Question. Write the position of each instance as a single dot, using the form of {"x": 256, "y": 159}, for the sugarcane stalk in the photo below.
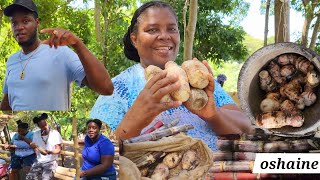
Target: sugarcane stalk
{"x": 240, "y": 176}
{"x": 235, "y": 156}
{"x": 148, "y": 159}
{"x": 300, "y": 145}
{"x": 154, "y": 127}
{"x": 76, "y": 147}
{"x": 231, "y": 166}
{"x": 169, "y": 125}
{"x": 159, "y": 134}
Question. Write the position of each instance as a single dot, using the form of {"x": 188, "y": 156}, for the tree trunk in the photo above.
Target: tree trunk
{"x": 97, "y": 12}
{"x": 76, "y": 147}
{"x": 309, "y": 11}
{"x": 266, "y": 23}
{"x": 282, "y": 13}
{"x": 315, "y": 32}
{"x": 105, "y": 9}
{"x": 184, "y": 15}
{"x": 191, "y": 29}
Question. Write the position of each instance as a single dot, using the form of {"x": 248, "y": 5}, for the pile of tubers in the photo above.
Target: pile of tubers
{"x": 171, "y": 164}
{"x": 290, "y": 83}
{"x": 193, "y": 78}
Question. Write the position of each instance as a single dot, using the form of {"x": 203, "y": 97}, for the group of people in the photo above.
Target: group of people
{"x": 127, "y": 103}
{"x": 36, "y": 153}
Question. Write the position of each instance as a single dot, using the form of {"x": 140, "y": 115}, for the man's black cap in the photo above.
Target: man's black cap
{"x": 27, "y": 4}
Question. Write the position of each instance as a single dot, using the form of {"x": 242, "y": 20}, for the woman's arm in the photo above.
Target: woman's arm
{"x": 147, "y": 105}
{"x": 28, "y": 141}
{"x": 106, "y": 163}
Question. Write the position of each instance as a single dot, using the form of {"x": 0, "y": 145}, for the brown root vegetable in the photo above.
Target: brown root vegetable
{"x": 175, "y": 171}
{"x": 284, "y": 59}
{"x": 266, "y": 82}
{"x": 287, "y": 71}
{"x": 172, "y": 159}
{"x": 288, "y": 106}
{"x": 198, "y": 99}
{"x": 309, "y": 98}
{"x": 197, "y": 73}
{"x": 269, "y": 105}
{"x": 278, "y": 119}
{"x": 149, "y": 73}
{"x": 274, "y": 95}
{"x": 303, "y": 65}
{"x": 190, "y": 160}
{"x": 274, "y": 70}
{"x": 161, "y": 172}
{"x": 275, "y": 119}
{"x": 183, "y": 93}
{"x": 295, "y": 120}
{"x": 312, "y": 79}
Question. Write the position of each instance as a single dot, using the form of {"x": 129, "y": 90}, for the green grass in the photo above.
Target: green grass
{"x": 231, "y": 69}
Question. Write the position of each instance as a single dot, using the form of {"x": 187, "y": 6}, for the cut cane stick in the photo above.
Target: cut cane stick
{"x": 154, "y": 127}
{"x": 159, "y": 134}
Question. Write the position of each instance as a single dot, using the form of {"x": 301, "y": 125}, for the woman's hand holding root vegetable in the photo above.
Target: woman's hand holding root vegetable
{"x": 148, "y": 105}
{"x": 227, "y": 119}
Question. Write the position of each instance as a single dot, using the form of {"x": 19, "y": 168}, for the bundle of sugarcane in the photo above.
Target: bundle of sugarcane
{"x": 301, "y": 145}
{"x": 233, "y": 156}
{"x": 251, "y": 176}
{"x": 160, "y": 164}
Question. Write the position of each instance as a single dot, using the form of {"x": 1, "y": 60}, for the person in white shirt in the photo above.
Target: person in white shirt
{"x": 50, "y": 140}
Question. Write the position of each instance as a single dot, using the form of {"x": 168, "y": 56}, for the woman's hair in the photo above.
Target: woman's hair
{"x": 129, "y": 50}
{"x": 22, "y": 125}
{"x": 37, "y": 119}
{"x": 97, "y": 121}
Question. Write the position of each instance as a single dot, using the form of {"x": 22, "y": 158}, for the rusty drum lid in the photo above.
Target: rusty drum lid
{"x": 250, "y": 94}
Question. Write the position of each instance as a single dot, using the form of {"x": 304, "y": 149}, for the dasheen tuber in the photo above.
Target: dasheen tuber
{"x": 161, "y": 172}
{"x": 190, "y": 160}
{"x": 149, "y": 73}
{"x": 183, "y": 93}
{"x": 290, "y": 81}
{"x": 197, "y": 100}
{"x": 172, "y": 159}
{"x": 197, "y": 73}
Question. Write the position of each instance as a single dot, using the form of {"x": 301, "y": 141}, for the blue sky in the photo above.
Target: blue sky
{"x": 253, "y": 24}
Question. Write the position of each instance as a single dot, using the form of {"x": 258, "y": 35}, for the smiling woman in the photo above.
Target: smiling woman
{"x": 98, "y": 154}
{"x": 153, "y": 39}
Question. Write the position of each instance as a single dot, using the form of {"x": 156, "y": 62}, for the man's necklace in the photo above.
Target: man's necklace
{"x": 22, "y": 74}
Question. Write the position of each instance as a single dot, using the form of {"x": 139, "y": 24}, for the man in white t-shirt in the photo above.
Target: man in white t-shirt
{"x": 49, "y": 140}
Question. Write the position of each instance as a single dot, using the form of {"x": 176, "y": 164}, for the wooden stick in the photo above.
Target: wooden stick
{"x": 71, "y": 143}
{"x": 159, "y": 134}
{"x": 7, "y": 159}
{"x": 66, "y": 171}
{"x": 61, "y": 176}
{"x": 231, "y": 166}
{"x": 76, "y": 147}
